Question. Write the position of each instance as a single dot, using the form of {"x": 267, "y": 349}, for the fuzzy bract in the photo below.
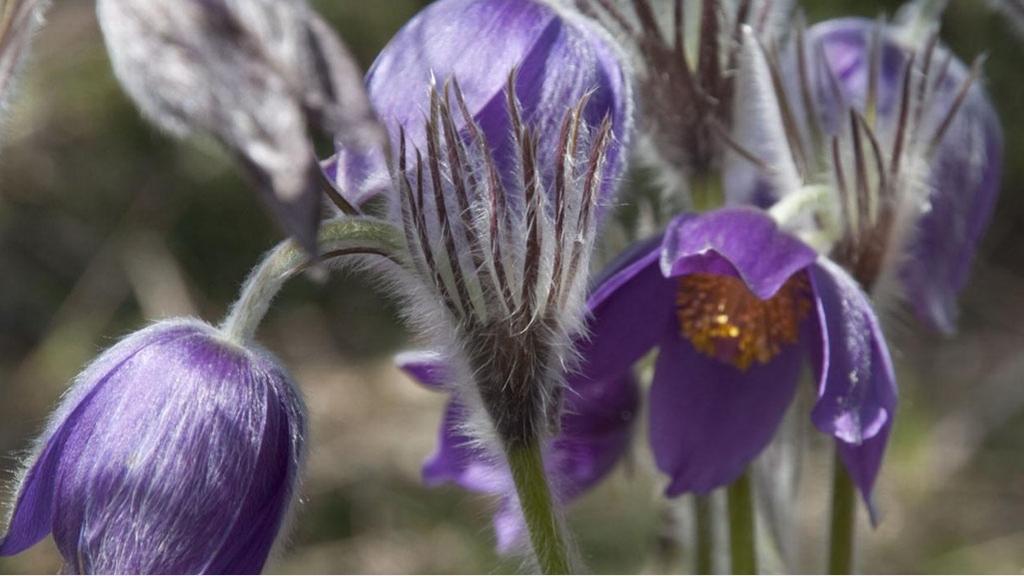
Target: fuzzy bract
{"x": 175, "y": 451}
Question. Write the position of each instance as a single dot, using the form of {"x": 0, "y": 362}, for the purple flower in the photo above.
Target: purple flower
{"x": 735, "y": 305}
{"x": 176, "y": 451}
{"x": 596, "y": 429}
{"x": 559, "y": 58}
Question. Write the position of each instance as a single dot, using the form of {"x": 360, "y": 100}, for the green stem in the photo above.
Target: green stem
{"x": 707, "y": 193}
{"x": 704, "y": 533}
{"x": 339, "y": 237}
{"x": 844, "y": 521}
{"x": 742, "y": 538}
{"x": 542, "y": 523}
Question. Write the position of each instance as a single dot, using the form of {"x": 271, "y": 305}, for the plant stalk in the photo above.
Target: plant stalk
{"x": 338, "y": 237}
{"x": 704, "y": 534}
{"x": 844, "y": 521}
{"x": 542, "y": 522}
{"x": 742, "y": 536}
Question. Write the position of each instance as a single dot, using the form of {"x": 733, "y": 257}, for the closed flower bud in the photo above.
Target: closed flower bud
{"x": 254, "y": 74}
{"x": 176, "y": 451}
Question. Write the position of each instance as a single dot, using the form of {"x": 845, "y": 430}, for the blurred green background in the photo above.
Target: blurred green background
{"x": 106, "y": 224}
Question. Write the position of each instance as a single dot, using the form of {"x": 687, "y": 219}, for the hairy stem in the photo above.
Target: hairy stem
{"x": 339, "y": 237}
{"x": 742, "y": 536}
{"x": 542, "y": 522}
{"x": 844, "y": 518}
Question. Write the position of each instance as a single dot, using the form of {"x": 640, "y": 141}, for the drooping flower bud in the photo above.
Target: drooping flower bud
{"x": 254, "y": 74}
{"x": 176, "y": 451}
{"x": 559, "y": 58}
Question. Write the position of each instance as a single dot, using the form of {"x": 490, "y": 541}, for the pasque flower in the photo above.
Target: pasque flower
{"x": 735, "y": 306}
{"x": 595, "y": 431}
{"x": 508, "y": 122}
{"x": 175, "y": 451}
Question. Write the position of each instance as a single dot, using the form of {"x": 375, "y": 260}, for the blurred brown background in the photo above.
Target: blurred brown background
{"x": 105, "y": 224}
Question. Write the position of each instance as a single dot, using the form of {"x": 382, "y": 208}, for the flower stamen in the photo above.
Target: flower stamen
{"x": 723, "y": 319}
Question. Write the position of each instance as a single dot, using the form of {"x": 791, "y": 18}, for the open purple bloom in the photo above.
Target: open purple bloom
{"x": 176, "y": 451}
{"x": 735, "y": 306}
{"x": 559, "y": 58}
{"x": 596, "y": 429}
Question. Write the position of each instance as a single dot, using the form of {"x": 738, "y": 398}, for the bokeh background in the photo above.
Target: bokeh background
{"x": 106, "y": 224}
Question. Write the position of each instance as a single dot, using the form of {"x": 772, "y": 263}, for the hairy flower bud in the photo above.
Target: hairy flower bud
{"x": 953, "y": 121}
{"x": 505, "y": 153}
{"x": 176, "y": 451}
{"x": 254, "y": 74}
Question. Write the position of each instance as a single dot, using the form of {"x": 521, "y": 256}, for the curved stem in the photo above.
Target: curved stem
{"x": 542, "y": 522}
{"x": 339, "y": 237}
{"x": 844, "y": 521}
{"x": 742, "y": 536}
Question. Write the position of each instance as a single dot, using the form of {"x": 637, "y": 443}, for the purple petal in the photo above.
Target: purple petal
{"x": 966, "y": 174}
{"x": 629, "y": 309}
{"x": 559, "y": 58}
{"x": 427, "y": 367}
{"x": 31, "y": 519}
{"x": 462, "y": 461}
{"x": 708, "y": 419}
{"x": 857, "y": 386}
{"x": 741, "y": 242}
{"x": 597, "y": 428}
{"x": 863, "y": 463}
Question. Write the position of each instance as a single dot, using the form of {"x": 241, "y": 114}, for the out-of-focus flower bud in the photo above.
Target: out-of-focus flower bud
{"x": 254, "y": 74}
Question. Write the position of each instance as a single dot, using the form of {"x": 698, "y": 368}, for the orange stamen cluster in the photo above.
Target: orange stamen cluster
{"x": 723, "y": 319}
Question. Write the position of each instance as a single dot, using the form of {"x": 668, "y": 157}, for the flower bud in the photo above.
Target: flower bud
{"x": 176, "y": 451}
{"x": 955, "y": 121}
{"x": 254, "y": 74}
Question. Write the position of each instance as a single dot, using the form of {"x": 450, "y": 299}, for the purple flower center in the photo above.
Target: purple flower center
{"x": 724, "y": 320}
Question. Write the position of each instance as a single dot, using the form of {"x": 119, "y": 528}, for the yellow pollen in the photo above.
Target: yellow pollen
{"x": 723, "y": 319}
